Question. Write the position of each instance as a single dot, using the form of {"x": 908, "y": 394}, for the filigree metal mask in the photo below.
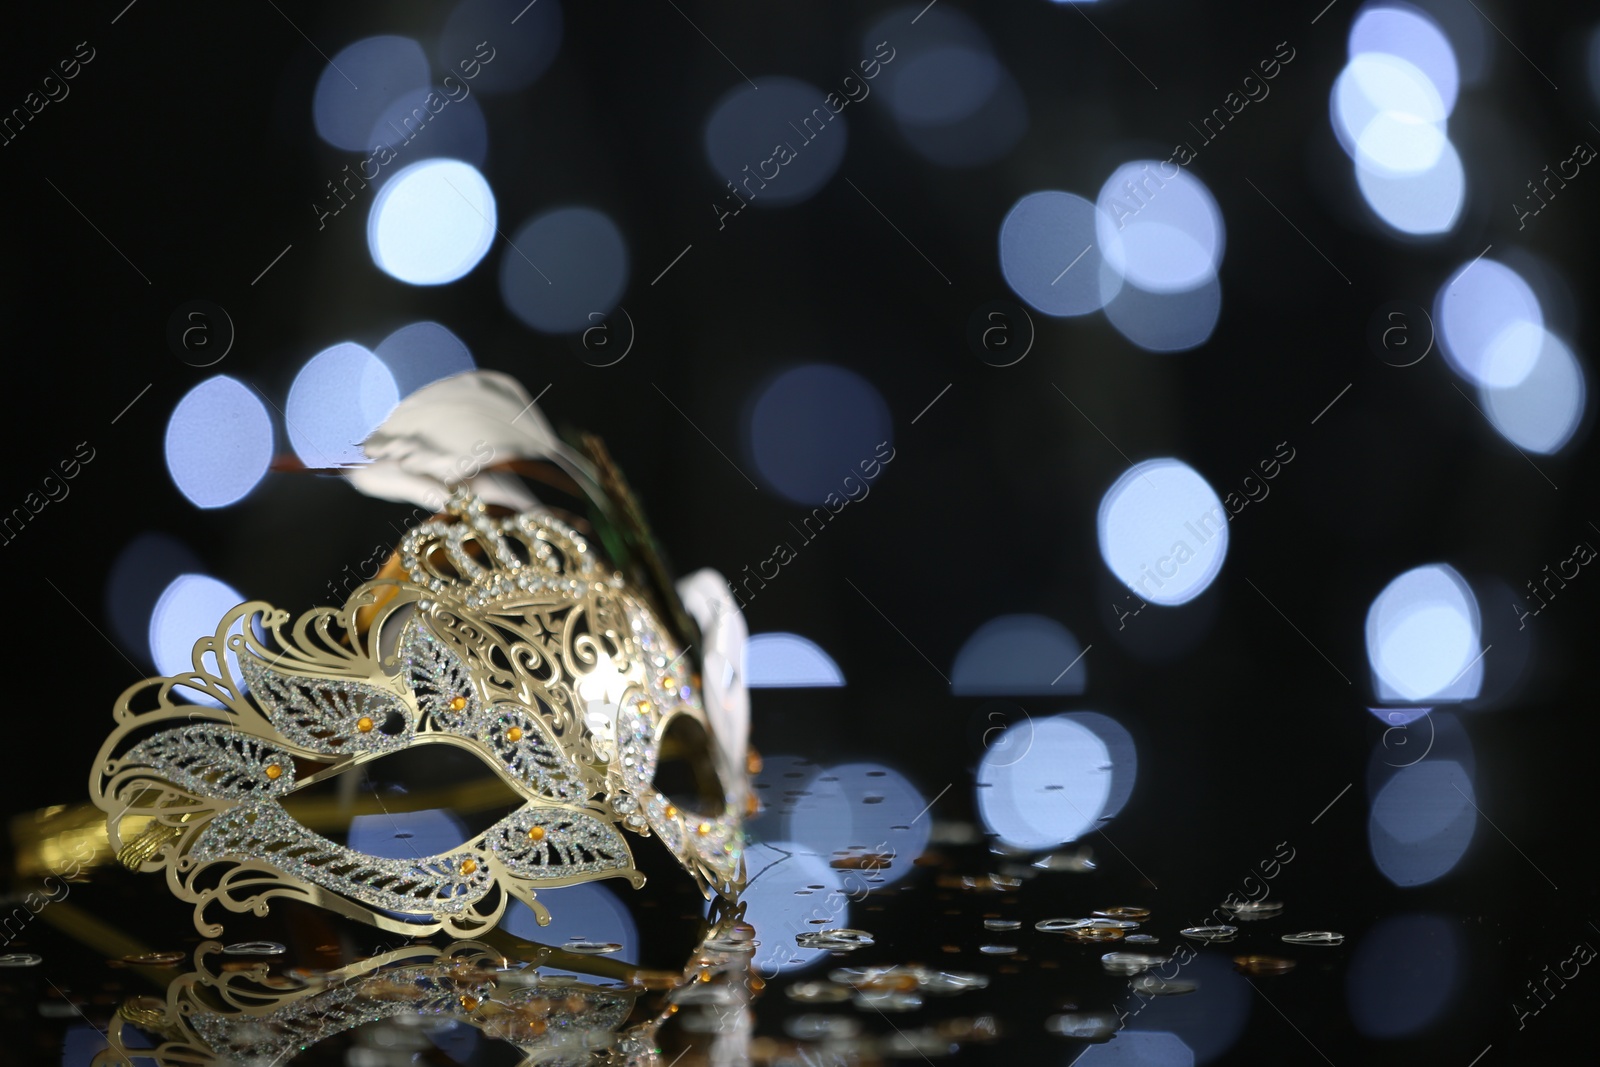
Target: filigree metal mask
{"x": 508, "y": 638}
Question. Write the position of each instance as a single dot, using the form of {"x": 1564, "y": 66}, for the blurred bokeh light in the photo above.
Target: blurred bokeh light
{"x": 219, "y": 442}
{"x": 1404, "y": 31}
{"x": 776, "y": 143}
{"x": 139, "y": 575}
{"x": 815, "y": 433}
{"x": 1403, "y": 974}
{"x": 785, "y": 661}
{"x": 1050, "y": 256}
{"x": 191, "y": 607}
{"x": 1491, "y": 327}
{"x": 1138, "y": 1048}
{"x": 432, "y": 222}
{"x": 1162, "y": 531}
{"x": 1123, "y": 761}
{"x": 1423, "y": 638}
{"x": 453, "y": 128}
{"x": 505, "y": 45}
{"x": 565, "y": 270}
{"x": 791, "y": 891}
{"x": 948, "y": 92}
{"x": 1422, "y": 821}
{"x": 861, "y": 809}
{"x": 1390, "y": 107}
{"x": 359, "y": 84}
{"x": 421, "y": 353}
{"x": 338, "y": 398}
{"x": 1543, "y": 411}
{"x": 588, "y": 912}
{"x": 1159, "y": 227}
{"x": 1019, "y": 655}
{"x": 1209, "y": 1020}
{"x": 1053, "y": 791}
{"x": 1162, "y": 322}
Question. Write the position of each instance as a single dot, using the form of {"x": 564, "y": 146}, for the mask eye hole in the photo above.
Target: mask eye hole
{"x": 685, "y": 772}
{"x": 433, "y": 787}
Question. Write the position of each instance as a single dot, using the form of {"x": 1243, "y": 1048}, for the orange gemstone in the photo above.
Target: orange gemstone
{"x": 671, "y": 812}
{"x": 644, "y": 707}
{"x": 703, "y": 829}
{"x": 468, "y": 866}
{"x": 457, "y": 703}
{"x": 669, "y": 682}
{"x": 364, "y": 724}
{"x": 274, "y": 772}
{"x": 537, "y": 1027}
{"x": 514, "y": 734}
{"x": 469, "y": 1002}
{"x": 536, "y": 833}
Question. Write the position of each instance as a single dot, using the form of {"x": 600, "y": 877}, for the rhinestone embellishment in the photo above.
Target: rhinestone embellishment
{"x": 504, "y": 653}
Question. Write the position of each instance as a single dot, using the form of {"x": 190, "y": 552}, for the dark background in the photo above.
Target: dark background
{"x": 188, "y": 143}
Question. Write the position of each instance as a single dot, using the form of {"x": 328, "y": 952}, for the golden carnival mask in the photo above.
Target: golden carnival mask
{"x": 505, "y": 636}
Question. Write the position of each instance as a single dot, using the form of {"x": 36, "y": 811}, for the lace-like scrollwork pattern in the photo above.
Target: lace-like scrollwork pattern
{"x": 507, "y": 638}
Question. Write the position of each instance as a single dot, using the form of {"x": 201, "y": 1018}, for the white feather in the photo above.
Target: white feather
{"x": 446, "y": 434}
{"x": 724, "y": 636}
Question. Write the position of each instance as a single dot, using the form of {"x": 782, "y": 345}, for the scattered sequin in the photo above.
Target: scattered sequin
{"x": 1315, "y": 937}
{"x": 888, "y": 1000}
{"x": 1263, "y": 964}
{"x": 254, "y": 948}
{"x": 982, "y": 883}
{"x": 819, "y": 992}
{"x": 1255, "y": 909}
{"x": 911, "y": 977}
{"x": 592, "y": 948}
{"x": 155, "y": 959}
{"x": 836, "y": 940}
{"x": 1079, "y": 862}
{"x": 1083, "y": 1025}
{"x": 1130, "y": 962}
{"x": 823, "y": 1027}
